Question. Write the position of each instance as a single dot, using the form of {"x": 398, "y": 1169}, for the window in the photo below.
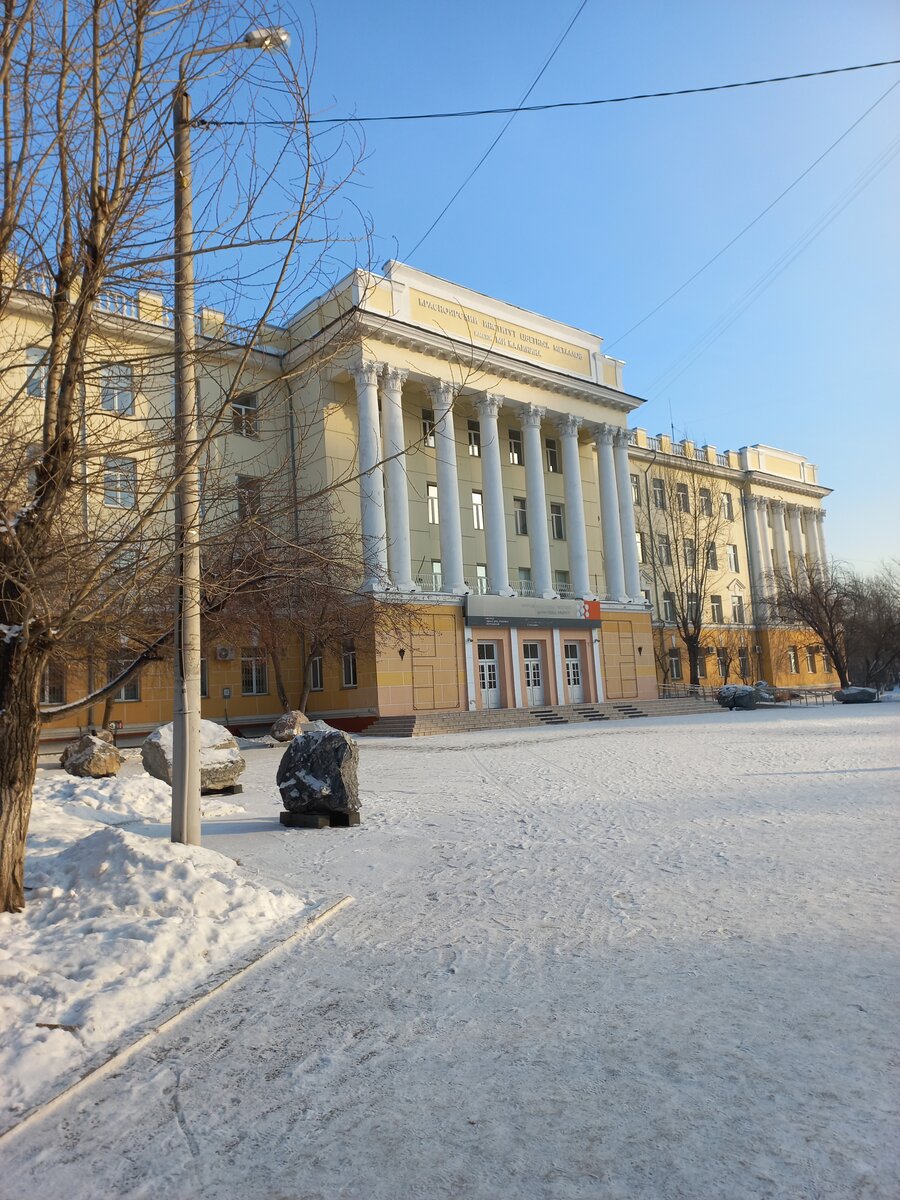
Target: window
{"x": 474, "y": 430}
{"x": 635, "y": 490}
{"x": 645, "y": 592}
{"x": 516, "y": 453}
{"x": 690, "y": 552}
{"x": 520, "y": 513}
{"x": 244, "y": 415}
{"x": 316, "y": 674}
{"x": 724, "y": 663}
{"x": 526, "y": 587}
{"x": 826, "y": 663}
{"x": 428, "y": 426}
{"x": 682, "y": 497}
{"x": 641, "y": 541}
{"x": 737, "y": 610}
{"x": 481, "y": 579}
{"x": 558, "y": 522}
{"x": 810, "y": 660}
{"x": 53, "y": 683}
{"x": 668, "y": 606}
{"x": 120, "y": 482}
{"x": 727, "y": 506}
{"x": 701, "y": 663}
{"x": 204, "y": 679}
{"x": 733, "y": 561}
{"x": 675, "y": 665}
{"x": 249, "y": 497}
{"x": 664, "y": 550}
{"x": 693, "y": 606}
{"x": 117, "y": 388}
{"x": 706, "y": 507}
{"x": 552, "y": 451}
{"x": 715, "y": 606}
{"x": 561, "y": 582}
{"x": 712, "y": 558}
{"x": 744, "y": 662}
{"x": 36, "y": 380}
{"x": 659, "y": 494}
{"x": 793, "y": 660}
{"x": 478, "y": 510}
{"x": 254, "y": 671}
{"x": 131, "y": 689}
{"x": 437, "y": 574}
{"x": 434, "y": 516}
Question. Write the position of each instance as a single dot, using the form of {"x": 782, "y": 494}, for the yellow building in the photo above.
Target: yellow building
{"x": 485, "y": 454}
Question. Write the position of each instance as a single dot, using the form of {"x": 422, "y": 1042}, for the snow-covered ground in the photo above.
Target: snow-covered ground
{"x": 644, "y": 960}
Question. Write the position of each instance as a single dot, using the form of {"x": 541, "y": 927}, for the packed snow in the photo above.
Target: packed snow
{"x": 650, "y": 960}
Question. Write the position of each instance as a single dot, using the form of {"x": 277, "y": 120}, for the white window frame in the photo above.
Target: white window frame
{"x": 316, "y": 674}
{"x": 658, "y": 488}
{"x": 53, "y": 683}
{"x": 434, "y": 510}
{"x": 793, "y": 660}
{"x": 473, "y": 429}
{"x": 120, "y": 482}
{"x": 717, "y": 611}
{"x": 117, "y": 388}
{"x": 245, "y": 415}
{"x": 516, "y": 448}
{"x": 705, "y": 501}
{"x": 733, "y": 560}
{"x": 520, "y": 516}
{"x": 349, "y": 672}
{"x": 737, "y": 610}
{"x": 551, "y": 453}
{"x": 254, "y": 671}
{"x": 249, "y": 497}
{"x": 130, "y": 691}
{"x": 478, "y": 510}
{"x": 727, "y": 506}
{"x": 668, "y": 607}
{"x": 676, "y": 674}
{"x": 36, "y": 379}
{"x": 428, "y": 427}
{"x": 558, "y": 521}
{"x": 683, "y": 498}
{"x": 635, "y": 490}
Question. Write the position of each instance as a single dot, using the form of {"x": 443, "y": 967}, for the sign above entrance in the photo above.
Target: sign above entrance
{"x": 493, "y": 333}
{"x": 494, "y": 612}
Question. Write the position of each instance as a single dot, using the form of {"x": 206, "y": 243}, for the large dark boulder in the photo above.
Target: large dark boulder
{"x": 319, "y": 772}
{"x": 856, "y": 695}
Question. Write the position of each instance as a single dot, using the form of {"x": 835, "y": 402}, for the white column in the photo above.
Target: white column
{"x": 576, "y": 531}
{"x": 398, "y": 549}
{"x": 536, "y": 502}
{"x": 779, "y": 536}
{"x": 448, "y": 489}
{"x": 488, "y": 408}
{"x": 820, "y": 529}
{"x": 813, "y": 548}
{"x": 765, "y": 552}
{"x": 751, "y": 524}
{"x": 371, "y": 483}
{"x": 613, "y": 563}
{"x": 796, "y": 540}
{"x": 518, "y": 694}
{"x": 626, "y": 515}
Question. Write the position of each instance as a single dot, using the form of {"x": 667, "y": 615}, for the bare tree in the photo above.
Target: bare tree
{"x": 819, "y": 598}
{"x": 86, "y": 481}
{"x": 684, "y": 535}
{"x": 872, "y": 627}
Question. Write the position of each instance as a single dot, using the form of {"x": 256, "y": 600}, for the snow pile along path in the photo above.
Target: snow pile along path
{"x": 120, "y": 800}
{"x": 119, "y": 931}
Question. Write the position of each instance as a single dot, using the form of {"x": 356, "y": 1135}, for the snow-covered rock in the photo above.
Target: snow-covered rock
{"x": 221, "y": 761}
{"x": 288, "y": 725}
{"x": 92, "y": 756}
{"x": 319, "y": 772}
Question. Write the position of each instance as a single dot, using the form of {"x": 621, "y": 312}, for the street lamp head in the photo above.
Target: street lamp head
{"x": 267, "y": 38}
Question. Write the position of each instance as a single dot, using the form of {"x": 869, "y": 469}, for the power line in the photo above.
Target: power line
{"x": 528, "y": 108}
{"x": 513, "y": 114}
{"x": 759, "y": 216}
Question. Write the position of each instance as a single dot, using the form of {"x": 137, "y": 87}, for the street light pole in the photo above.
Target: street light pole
{"x": 186, "y": 717}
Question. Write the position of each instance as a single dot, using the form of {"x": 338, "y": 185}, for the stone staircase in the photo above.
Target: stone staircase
{"x": 429, "y": 723}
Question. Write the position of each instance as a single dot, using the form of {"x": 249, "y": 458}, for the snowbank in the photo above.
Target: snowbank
{"x": 119, "y": 929}
{"x": 117, "y": 801}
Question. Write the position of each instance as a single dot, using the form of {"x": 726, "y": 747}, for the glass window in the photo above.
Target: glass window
{"x": 659, "y": 494}
{"x": 793, "y": 660}
{"x": 641, "y": 541}
{"x": 810, "y": 660}
{"x": 481, "y": 579}
{"x": 117, "y": 388}
{"x": 737, "y": 610}
{"x": 474, "y": 431}
{"x": 727, "y": 506}
{"x": 53, "y": 683}
{"x": 668, "y": 606}
{"x": 120, "y": 483}
{"x": 558, "y": 522}
{"x": 733, "y": 561}
{"x": 693, "y": 606}
{"x": 516, "y": 453}
{"x": 428, "y": 426}
{"x": 635, "y": 490}
{"x": 664, "y": 545}
{"x": 690, "y": 552}
{"x": 682, "y": 497}
{"x": 36, "y": 379}
{"x": 478, "y": 510}
{"x": 131, "y": 689}
{"x": 520, "y": 513}
{"x": 675, "y": 665}
{"x": 744, "y": 662}
{"x": 826, "y": 663}
{"x": 244, "y": 414}
{"x": 316, "y": 674}
{"x": 561, "y": 582}
{"x": 437, "y": 574}
{"x": 249, "y": 497}
{"x": 552, "y": 448}
{"x": 705, "y": 501}
{"x": 526, "y": 587}
{"x": 701, "y": 663}
{"x": 716, "y": 610}
{"x": 254, "y": 671}
{"x": 348, "y": 665}
{"x": 724, "y": 663}
{"x": 712, "y": 557}
{"x": 434, "y": 516}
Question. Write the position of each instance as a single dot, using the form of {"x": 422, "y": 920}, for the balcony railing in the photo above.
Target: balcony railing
{"x": 522, "y": 587}
{"x": 429, "y": 583}
{"x": 653, "y": 443}
{"x": 477, "y": 586}
{"x": 678, "y": 450}
{"x": 722, "y": 460}
{"x": 700, "y": 454}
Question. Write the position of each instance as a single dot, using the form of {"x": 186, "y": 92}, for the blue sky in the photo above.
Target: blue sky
{"x": 593, "y": 216}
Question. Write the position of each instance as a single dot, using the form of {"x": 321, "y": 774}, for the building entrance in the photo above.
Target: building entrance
{"x": 534, "y": 680}
{"x": 574, "y": 672}
{"x": 488, "y": 678}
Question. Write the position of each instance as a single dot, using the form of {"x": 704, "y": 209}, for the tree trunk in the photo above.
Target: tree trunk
{"x": 107, "y": 710}
{"x": 307, "y": 681}
{"x": 20, "y": 726}
{"x": 693, "y": 650}
{"x": 280, "y": 689}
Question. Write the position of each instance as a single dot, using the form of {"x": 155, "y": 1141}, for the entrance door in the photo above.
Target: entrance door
{"x": 573, "y": 672}
{"x": 534, "y": 682}
{"x": 487, "y": 675}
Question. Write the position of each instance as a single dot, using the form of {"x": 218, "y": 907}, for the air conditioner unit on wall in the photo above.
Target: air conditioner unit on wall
{"x": 224, "y": 653}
